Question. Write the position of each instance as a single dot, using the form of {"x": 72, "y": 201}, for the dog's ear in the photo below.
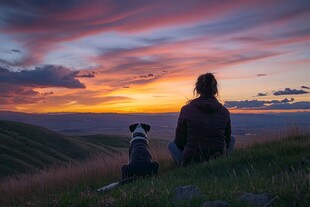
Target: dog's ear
{"x": 133, "y": 127}
{"x": 146, "y": 127}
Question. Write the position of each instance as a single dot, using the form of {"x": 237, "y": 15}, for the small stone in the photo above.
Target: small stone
{"x": 187, "y": 192}
{"x": 263, "y": 199}
{"x": 217, "y": 203}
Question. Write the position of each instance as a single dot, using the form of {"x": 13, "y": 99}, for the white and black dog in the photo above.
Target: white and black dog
{"x": 140, "y": 158}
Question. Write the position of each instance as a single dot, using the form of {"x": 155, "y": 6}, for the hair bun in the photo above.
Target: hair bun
{"x": 209, "y": 75}
{"x": 206, "y": 85}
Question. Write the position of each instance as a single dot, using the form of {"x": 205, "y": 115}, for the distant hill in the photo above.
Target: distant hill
{"x": 162, "y": 125}
{"x": 28, "y": 148}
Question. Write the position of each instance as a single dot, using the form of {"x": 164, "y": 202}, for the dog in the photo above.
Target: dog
{"x": 140, "y": 159}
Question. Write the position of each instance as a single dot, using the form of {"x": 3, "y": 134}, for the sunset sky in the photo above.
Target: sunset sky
{"x": 143, "y": 56}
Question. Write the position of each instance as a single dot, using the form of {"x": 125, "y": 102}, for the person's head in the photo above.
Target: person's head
{"x": 206, "y": 85}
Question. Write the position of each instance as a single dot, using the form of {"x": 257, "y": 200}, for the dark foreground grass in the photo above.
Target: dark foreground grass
{"x": 275, "y": 167}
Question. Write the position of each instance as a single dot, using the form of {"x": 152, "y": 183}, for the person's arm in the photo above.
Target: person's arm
{"x": 181, "y": 131}
{"x": 228, "y": 132}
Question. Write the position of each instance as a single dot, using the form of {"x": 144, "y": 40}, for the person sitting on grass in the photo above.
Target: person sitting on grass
{"x": 204, "y": 127}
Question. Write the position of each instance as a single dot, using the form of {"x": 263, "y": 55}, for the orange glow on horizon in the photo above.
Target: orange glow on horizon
{"x": 145, "y": 57}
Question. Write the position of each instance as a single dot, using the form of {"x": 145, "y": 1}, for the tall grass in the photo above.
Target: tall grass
{"x": 290, "y": 131}
{"x": 274, "y": 167}
{"x": 100, "y": 169}
{"x": 56, "y": 178}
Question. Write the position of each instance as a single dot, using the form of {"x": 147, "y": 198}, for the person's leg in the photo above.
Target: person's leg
{"x": 231, "y": 146}
{"x": 175, "y": 152}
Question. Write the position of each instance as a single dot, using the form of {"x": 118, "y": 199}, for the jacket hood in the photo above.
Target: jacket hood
{"x": 207, "y": 104}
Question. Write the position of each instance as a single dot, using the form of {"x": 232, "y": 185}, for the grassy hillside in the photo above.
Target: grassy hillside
{"x": 28, "y": 148}
{"x": 276, "y": 167}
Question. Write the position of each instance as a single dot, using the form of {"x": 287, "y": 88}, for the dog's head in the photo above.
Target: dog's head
{"x": 139, "y": 128}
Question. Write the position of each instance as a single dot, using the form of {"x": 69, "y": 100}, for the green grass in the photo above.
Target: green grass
{"x": 112, "y": 143}
{"x": 274, "y": 167}
{"x": 27, "y": 148}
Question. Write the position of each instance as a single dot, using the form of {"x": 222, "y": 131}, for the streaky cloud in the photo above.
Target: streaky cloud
{"x": 41, "y": 26}
{"x": 257, "y": 104}
{"x": 145, "y": 77}
{"x": 301, "y": 105}
{"x": 261, "y": 74}
{"x": 16, "y": 94}
{"x": 13, "y": 51}
{"x": 288, "y": 91}
{"x": 261, "y": 94}
{"x": 91, "y": 74}
{"x": 43, "y": 76}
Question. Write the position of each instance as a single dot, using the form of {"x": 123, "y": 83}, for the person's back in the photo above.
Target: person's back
{"x": 204, "y": 129}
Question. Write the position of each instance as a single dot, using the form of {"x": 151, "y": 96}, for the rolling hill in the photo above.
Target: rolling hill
{"x": 162, "y": 125}
{"x": 29, "y": 148}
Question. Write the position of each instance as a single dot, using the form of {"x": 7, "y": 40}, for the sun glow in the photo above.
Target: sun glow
{"x": 145, "y": 57}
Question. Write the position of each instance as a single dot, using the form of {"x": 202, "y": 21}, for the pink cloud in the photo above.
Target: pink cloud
{"x": 20, "y": 87}
{"x": 42, "y": 26}
{"x": 15, "y": 94}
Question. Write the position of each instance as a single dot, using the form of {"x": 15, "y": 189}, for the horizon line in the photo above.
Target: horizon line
{"x": 232, "y": 111}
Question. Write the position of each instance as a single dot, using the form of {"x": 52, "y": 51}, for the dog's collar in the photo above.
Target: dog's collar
{"x": 139, "y": 138}
{"x": 138, "y": 134}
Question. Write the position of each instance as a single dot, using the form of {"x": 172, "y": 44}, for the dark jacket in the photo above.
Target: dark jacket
{"x": 203, "y": 130}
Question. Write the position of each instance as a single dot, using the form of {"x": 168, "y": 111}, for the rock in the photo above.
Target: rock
{"x": 185, "y": 193}
{"x": 263, "y": 199}
{"x": 217, "y": 203}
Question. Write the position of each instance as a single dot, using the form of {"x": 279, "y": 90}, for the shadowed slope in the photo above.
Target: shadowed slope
{"x": 26, "y": 147}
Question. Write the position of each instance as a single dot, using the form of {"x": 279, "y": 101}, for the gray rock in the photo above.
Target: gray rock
{"x": 217, "y": 203}
{"x": 263, "y": 199}
{"x": 183, "y": 193}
